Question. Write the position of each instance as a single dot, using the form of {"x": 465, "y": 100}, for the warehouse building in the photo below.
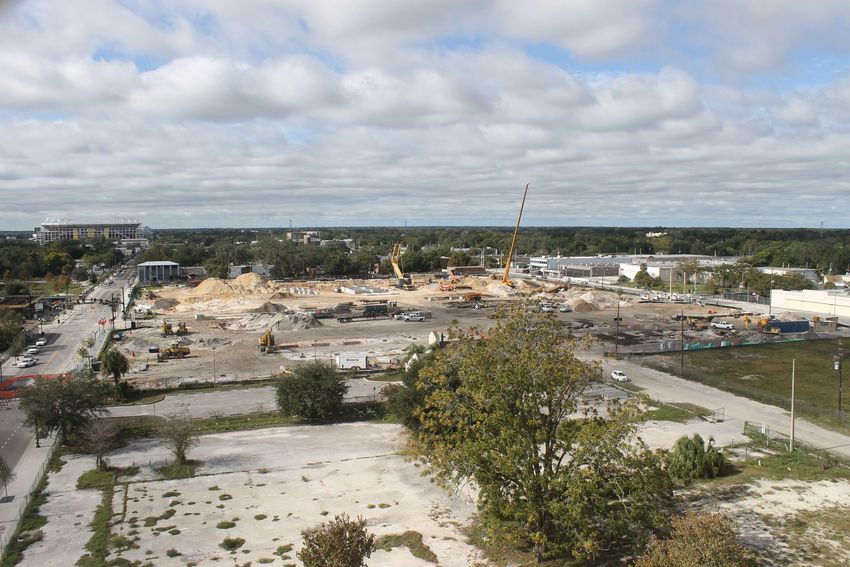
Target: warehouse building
{"x": 157, "y": 272}
{"x": 819, "y": 302}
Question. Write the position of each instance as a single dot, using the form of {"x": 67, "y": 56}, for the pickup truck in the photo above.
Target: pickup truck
{"x": 722, "y": 325}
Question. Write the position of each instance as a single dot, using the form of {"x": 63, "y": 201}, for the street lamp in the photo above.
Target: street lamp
{"x": 214, "y": 378}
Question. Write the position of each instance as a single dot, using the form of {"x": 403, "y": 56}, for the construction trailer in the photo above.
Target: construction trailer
{"x": 352, "y": 361}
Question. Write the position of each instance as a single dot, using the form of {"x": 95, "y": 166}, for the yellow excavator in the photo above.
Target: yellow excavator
{"x": 267, "y": 341}
{"x": 404, "y": 282}
{"x": 506, "y": 277}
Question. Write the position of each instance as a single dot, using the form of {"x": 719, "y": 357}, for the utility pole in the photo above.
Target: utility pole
{"x": 617, "y": 330}
{"x": 682, "y": 353}
{"x": 793, "y": 376}
{"x": 838, "y": 356}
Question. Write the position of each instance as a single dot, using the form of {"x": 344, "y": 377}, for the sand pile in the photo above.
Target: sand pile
{"x": 582, "y": 306}
{"x": 274, "y": 321}
{"x": 246, "y": 284}
{"x": 269, "y": 307}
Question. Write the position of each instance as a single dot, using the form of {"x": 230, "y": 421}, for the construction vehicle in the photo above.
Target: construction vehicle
{"x": 176, "y": 350}
{"x": 404, "y": 282}
{"x": 370, "y": 311}
{"x": 182, "y": 329}
{"x": 472, "y": 296}
{"x": 267, "y": 341}
{"x": 506, "y": 277}
{"x": 446, "y": 287}
{"x": 696, "y": 324}
{"x": 166, "y": 328}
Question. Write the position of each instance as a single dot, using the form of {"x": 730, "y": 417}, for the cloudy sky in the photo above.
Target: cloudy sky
{"x": 190, "y": 113}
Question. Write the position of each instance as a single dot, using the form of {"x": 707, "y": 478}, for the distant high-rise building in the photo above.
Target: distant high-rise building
{"x": 120, "y": 229}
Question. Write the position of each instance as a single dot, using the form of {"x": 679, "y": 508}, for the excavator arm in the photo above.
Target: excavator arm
{"x": 394, "y": 258}
{"x": 505, "y": 278}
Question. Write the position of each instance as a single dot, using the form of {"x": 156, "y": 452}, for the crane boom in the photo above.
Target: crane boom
{"x": 394, "y": 258}
{"x": 505, "y": 278}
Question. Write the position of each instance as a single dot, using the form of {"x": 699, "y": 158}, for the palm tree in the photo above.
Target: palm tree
{"x": 114, "y": 363}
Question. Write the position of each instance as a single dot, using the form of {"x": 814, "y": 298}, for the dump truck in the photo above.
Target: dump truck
{"x": 369, "y": 311}
{"x": 176, "y": 350}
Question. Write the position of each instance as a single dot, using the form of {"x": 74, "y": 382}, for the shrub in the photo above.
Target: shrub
{"x": 339, "y": 543}
{"x": 232, "y": 543}
{"x": 691, "y": 458}
{"x": 698, "y": 538}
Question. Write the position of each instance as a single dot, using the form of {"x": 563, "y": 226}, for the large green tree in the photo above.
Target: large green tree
{"x": 115, "y": 364}
{"x": 64, "y": 404}
{"x": 315, "y": 391}
{"x": 11, "y": 324}
{"x": 502, "y": 413}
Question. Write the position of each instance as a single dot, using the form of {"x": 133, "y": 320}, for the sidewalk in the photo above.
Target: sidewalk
{"x": 28, "y": 473}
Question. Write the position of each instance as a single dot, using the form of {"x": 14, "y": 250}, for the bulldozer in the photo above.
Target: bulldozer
{"x": 176, "y": 350}
{"x": 696, "y": 324}
{"x": 182, "y": 329}
{"x": 166, "y": 328}
{"x": 267, "y": 341}
{"x": 472, "y": 296}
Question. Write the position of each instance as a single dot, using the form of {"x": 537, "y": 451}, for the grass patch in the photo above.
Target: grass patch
{"x": 260, "y": 517}
{"x": 172, "y": 552}
{"x": 225, "y": 525}
{"x": 96, "y": 479}
{"x": 98, "y": 544}
{"x": 670, "y": 413}
{"x": 809, "y": 527}
{"x": 151, "y": 521}
{"x": 175, "y": 471}
{"x": 409, "y": 539}
{"x": 784, "y": 465}
{"x": 763, "y": 373}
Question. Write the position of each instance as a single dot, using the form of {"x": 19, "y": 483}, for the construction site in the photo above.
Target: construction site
{"x": 252, "y": 327}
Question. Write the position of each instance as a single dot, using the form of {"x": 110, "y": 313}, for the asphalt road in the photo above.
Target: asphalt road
{"x": 59, "y": 355}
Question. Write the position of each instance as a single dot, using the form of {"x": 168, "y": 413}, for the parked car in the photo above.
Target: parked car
{"x": 723, "y": 325}
{"x": 415, "y": 318}
{"x": 619, "y": 376}
{"x": 24, "y": 363}
{"x": 564, "y": 308}
{"x": 546, "y": 308}
{"x": 33, "y": 350}
{"x": 41, "y": 342}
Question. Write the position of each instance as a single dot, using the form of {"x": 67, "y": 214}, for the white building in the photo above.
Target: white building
{"x": 809, "y": 273}
{"x": 235, "y": 271}
{"x": 819, "y": 302}
{"x": 153, "y": 272}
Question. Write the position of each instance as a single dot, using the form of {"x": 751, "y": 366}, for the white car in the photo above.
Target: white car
{"x": 24, "y": 363}
{"x": 33, "y": 350}
{"x": 619, "y": 376}
{"x": 546, "y": 308}
{"x": 41, "y": 342}
{"x": 723, "y": 325}
{"x": 565, "y": 308}
{"x": 415, "y": 318}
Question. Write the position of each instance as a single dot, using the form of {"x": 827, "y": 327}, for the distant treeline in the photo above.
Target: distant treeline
{"x": 827, "y": 251}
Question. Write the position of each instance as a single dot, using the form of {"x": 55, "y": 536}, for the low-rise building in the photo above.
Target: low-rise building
{"x": 235, "y": 271}
{"x": 158, "y": 272}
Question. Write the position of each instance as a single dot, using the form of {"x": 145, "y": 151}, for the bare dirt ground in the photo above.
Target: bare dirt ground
{"x": 226, "y": 318}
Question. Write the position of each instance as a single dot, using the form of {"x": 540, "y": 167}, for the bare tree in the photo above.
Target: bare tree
{"x": 179, "y": 434}
{"x": 98, "y": 437}
{"x": 7, "y": 475}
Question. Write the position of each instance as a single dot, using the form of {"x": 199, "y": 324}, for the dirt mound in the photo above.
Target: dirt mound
{"x": 269, "y": 307}
{"x": 246, "y": 284}
{"x": 275, "y": 321}
{"x": 582, "y": 306}
{"x": 164, "y": 303}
